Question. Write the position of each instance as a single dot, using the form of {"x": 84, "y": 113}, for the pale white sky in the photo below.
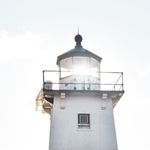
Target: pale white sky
{"x": 34, "y": 32}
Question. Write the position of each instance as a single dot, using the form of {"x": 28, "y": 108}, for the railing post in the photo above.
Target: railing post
{"x": 43, "y": 76}
{"x": 122, "y": 81}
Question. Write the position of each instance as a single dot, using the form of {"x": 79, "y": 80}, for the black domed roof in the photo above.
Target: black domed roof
{"x": 78, "y": 51}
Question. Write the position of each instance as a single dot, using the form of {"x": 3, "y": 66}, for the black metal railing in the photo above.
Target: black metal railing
{"x": 107, "y": 81}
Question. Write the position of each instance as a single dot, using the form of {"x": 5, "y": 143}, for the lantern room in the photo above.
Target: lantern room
{"x": 79, "y": 66}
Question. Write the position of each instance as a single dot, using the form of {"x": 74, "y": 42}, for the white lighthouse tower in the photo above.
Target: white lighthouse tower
{"x": 80, "y": 100}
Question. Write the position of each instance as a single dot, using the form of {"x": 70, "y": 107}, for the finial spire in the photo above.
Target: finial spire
{"x": 78, "y": 39}
{"x": 78, "y": 30}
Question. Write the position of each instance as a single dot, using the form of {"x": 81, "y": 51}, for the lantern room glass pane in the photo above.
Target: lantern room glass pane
{"x": 79, "y": 65}
{"x": 66, "y": 67}
{"x": 94, "y": 68}
{"x": 66, "y": 63}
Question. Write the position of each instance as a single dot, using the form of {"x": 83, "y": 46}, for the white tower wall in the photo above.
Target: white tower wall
{"x": 64, "y": 131}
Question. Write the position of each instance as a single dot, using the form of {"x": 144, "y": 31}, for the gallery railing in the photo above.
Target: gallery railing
{"x": 104, "y": 81}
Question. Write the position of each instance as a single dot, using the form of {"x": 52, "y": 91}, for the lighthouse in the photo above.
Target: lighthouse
{"x": 80, "y": 99}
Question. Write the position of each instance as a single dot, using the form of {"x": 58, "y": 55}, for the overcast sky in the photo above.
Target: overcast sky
{"x": 34, "y": 32}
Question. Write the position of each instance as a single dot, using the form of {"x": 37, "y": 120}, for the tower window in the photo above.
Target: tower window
{"x": 84, "y": 120}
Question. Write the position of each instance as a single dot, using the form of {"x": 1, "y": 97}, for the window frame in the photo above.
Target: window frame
{"x": 81, "y": 123}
